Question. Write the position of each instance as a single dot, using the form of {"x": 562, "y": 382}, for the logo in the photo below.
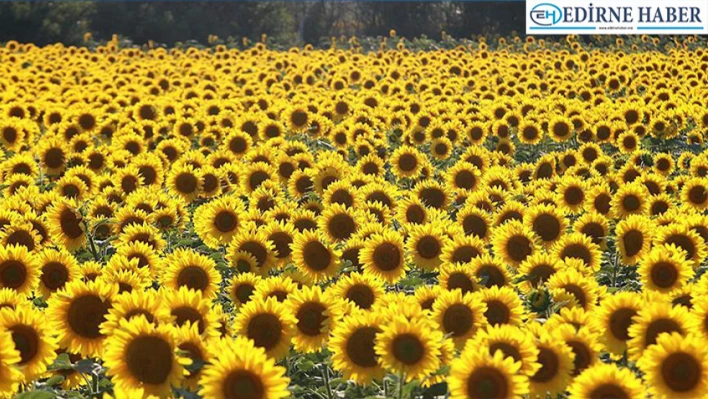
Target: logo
{"x": 546, "y": 14}
{"x": 616, "y": 17}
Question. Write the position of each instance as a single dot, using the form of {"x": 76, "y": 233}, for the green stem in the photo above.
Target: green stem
{"x": 401, "y": 378}
{"x": 325, "y": 375}
{"x": 93, "y": 245}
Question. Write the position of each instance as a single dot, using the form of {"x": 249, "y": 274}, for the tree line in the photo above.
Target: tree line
{"x": 288, "y": 23}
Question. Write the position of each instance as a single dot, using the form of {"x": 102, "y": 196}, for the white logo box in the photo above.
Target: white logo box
{"x": 616, "y": 17}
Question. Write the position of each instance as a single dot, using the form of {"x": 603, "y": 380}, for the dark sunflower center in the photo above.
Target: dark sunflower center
{"x": 578, "y": 293}
{"x": 620, "y": 321}
{"x": 583, "y": 357}
{"x": 341, "y": 226}
{"x": 26, "y": 342}
{"x": 475, "y": 225}
{"x": 460, "y": 281}
{"x": 497, "y": 313}
{"x": 193, "y": 277}
{"x": 311, "y": 318}
{"x": 54, "y": 158}
{"x": 86, "y": 314}
{"x": 433, "y": 197}
{"x": 184, "y": 314}
{"x": 664, "y": 274}
{"x": 518, "y": 247}
{"x": 458, "y": 319}
{"x": 487, "y": 383}
{"x": 407, "y": 162}
{"x": 70, "y": 224}
{"x": 243, "y": 292}
{"x": 242, "y": 384}
{"x": 578, "y": 251}
{"x": 631, "y": 203}
{"x": 608, "y": 391}
{"x": 540, "y": 273}
{"x": 149, "y": 359}
{"x": 681, "y": 372}
{"x": 54, "y": 275}
{"x": 186, "y": 183}
{"x": 547, "y": 227}
{"x": 360, "y": 347}
{"x": 407, "y": 349}
{"x": 317, "y": 256}
{"x": 428, "y": 247}
{"x": 387, "y": 257}
{"x": 265, "y": 330}
{"x": 550, "y": 365}
{"x": 362, "y": 295}
{"x": 507, "y": 349}
{"x": 658, "y": 327}
{"x": 256, "y": 250}
{"x": 282, "y": 242}
{"x": 140, "y": 312}
{"x": 464, "y": 254}
{"x": 684, "y": 242}
{"x": 13, "y": 273}
{"x": 574, "y": 195}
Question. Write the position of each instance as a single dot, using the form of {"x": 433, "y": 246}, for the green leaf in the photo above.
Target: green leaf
{"x": 306, "y": 365}
{"x": 36, "y": 395}
{"x": 84, "y": 366}
{"x": 55, "y": 380}
{"x": 62, "y": 362}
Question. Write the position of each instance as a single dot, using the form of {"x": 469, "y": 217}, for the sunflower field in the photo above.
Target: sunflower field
{"x": 488, "y": 219}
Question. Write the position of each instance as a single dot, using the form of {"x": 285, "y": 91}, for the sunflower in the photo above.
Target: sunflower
{"x": 189, "y": 307}
{"x": 676, "y": 367}
{"x": 19, "y": 270}
{"x": 665, "y": 269}
{"x": 536, "y": 270}
{"x": 560, "y": 129}
{"x": 462, "y": 249}
{"x": 595, "y": 226}
{"x": 686, "y": 239}
{"x": 514, "y": 242}
{"x": 245, "y": 371}
{"x": 53, "y": 155}
{"x": 186, "y": 268}
{"x": 457, "y": 277}
{"x": 32, "y": 339}
{"x": 572, "y": 194}
{"x": 66, "y": 225}
{"x": 412, "y": 348}
{"x": 475, "y": 222}
{"x": 144, "y": 233}
{"x": 269, "y": 323}
{"x": 555, "y": 359}
{"x": 360, "y": 289}
{"x": 315, "y": 257}
{"x": 339, "y": 222}
{"x": 10, "y": 357}
{"x": 425, "y": 243}
{"x": 146, "y": 303}
{"x": 570, "y": 285}
{"x": 504, "y": 307}
{"x": 607, "y": 381}
{"x": 383, "y": 257}
{"x": 406, "y": 162}
{"x": 76, "y": 314}
{"x": 477, "y": 375}
{"x": 218, "y": 221}
{"x": 141, "y": 252}
{"x": 184, "y": 182}
{"x": 630, "y": 199}
{"x": 547, "y": 222}
{"x": 278, "y": 287}
{"x": 615, "y": 315}
{"x": 316, "y": 314}
{"x": 58, "y": 267}
{"x": 141, "y": 359}
{"x": 459, "y": 315}
{"x": 579, "y": 246}
{"x": 654, "y": 320}
{"x": 634, "y": 237}
{"x": 582, "y": 342}
{"x": 512, "y": 342}
{"x": 353, "y": 347}
{"x": 242, "y": 287}
{"x": 255, "y": 244}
